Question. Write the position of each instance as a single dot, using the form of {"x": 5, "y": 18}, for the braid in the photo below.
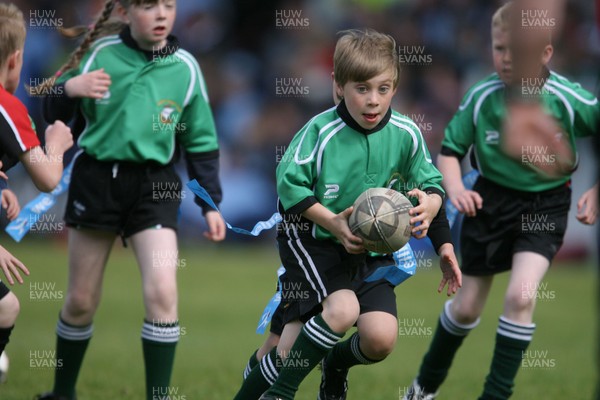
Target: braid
{"x": 78, "y": 54}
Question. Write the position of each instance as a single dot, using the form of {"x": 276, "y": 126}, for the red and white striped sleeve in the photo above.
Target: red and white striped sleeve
{"x": 17, "y": 133}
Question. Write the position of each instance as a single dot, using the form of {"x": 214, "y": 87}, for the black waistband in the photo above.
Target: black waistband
{"x": 523, "y": 194}
{"x": 126, "y": 165}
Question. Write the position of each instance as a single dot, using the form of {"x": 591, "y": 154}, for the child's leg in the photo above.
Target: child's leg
{"x": 373, "y": 342}
{"x": 515, "y": 329}
{"x": 318, "y": 336}
{"x": 157, "y": 256}
{"x": 260, "y": 379}
{"x": 375, "y": 338}
{"x": 459, "y": 316}
{"x": 275, "y": 330}
{"x": 269, "y": 344}
{"x": 9, "y": 310}
{"x": 88, "y": 253}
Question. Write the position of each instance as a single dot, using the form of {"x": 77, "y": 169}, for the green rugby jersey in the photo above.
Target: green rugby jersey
{"x": 155, "y": 99}
{"x": 332, "y": 160}
{"x": 478, "y": 123}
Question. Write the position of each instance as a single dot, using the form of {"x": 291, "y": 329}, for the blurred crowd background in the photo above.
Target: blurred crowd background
{"x": 268, "y": 63}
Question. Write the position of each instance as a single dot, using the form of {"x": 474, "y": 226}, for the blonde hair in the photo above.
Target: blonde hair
{"x": 12, "y": 31}
{"x": 501, "y": 18}
{"x": 362, "y": 55}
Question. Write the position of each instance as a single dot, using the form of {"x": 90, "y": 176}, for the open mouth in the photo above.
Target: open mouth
{"x": 370, "y": 117}
{"x": 159, "y": 30}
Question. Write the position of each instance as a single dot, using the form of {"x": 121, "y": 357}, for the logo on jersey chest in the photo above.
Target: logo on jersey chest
{"x": 167, "y": 119}
{"x": 331, "y": 191}
{"x": 105, "y": 99}
{"x": 492, "y": 137}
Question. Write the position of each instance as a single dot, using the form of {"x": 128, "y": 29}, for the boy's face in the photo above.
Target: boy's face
{"x": 15, "y": 64}
{"x": 151, "y": 23}
{"x": 368, "y": 101}
{"x": 502, "y": 55}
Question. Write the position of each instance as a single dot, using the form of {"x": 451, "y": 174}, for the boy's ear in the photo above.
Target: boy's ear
{"x": 547, "y": 54}
{"x": 337, "y": 90}
{"x": 13, "y": 60}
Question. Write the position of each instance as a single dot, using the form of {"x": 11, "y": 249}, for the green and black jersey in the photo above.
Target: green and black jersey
{"x": 157, "y": 101}
{"x": 478, "y": 123}
{"x": 332, "y": 160}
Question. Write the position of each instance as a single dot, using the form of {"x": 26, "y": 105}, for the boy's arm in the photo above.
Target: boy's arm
{"x": 420, "y": 172}
{"x": 45, "y": 168}
{"x": 19, "y": 140}
{"x": 587, "y": 206}
{"x": 337, "y": 224}
{"x": 451, "y": 274}
{"x": 459, "y": 136}
{"x": 10, "y": 202}
{"x": 587, "y": 113}
{"x": 465, "y": 201}
{"x": 10, "y": 265}
{"x": 439, "y": 230}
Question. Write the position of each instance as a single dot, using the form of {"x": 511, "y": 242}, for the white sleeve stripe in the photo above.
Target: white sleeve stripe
{"x": 310, "y": 157}
{"x": 323, "y": 144}
{"x": 190, "y": 90}
{"x": 412, "y": 134}
{"x": 405, "y": 120}
{"x": 13, "y": 128}
{"x": 195, "y": 70}
{"x": 482, "y": 99}
{"x": 572, "y": 93}
{"x": 100, "y": 46}
{"x": 567, "y": 105}
{"x": 475, "y": 90}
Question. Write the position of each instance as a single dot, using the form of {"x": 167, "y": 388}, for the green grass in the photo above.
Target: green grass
{"x": 222, "y": 293}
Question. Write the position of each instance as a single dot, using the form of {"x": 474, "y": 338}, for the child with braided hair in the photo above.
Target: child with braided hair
{"x": 123, "y": 183}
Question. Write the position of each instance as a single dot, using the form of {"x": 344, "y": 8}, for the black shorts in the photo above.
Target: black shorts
{"x": 509, "y": 222}
{"x": 4, "y": 290}
{"x": 122, "y": 197}
{"x": 314, "y": 269}
{"x": 372, "y": 296}
{"x": 378, "y": 295}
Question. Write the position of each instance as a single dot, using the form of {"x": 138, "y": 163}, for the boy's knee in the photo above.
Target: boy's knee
{"x": 342, "y": 315}
{"x": 9, "y": 310}
{"x": 161, "y": 301}
{"x": 79, "y": 304}
{"x": 464, "y": 313}
{"x": 378, "y": 346}
{"x": 519, "y": 301}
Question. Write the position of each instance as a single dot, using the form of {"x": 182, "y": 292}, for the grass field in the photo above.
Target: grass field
{"x": 222, "y": 292}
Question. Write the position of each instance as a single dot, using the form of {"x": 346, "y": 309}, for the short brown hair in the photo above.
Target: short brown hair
{"x": 362, "y": 55}
{"x": 12, "y": 31}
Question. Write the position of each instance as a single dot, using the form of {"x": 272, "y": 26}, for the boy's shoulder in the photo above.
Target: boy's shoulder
{"x": 404, "y": 122}
{"x": 481, "y": 88}
{"x": 324, "y": 120}
{"x": 11, "y": 104}
{"x": 573, "y": 91}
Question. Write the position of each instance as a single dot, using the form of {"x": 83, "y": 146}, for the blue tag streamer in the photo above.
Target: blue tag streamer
{"x": 267, "y": 314}
{"x": 258, "y": 228}
{"x": 405, "y": 266}
{"x": 37, "y": 207}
